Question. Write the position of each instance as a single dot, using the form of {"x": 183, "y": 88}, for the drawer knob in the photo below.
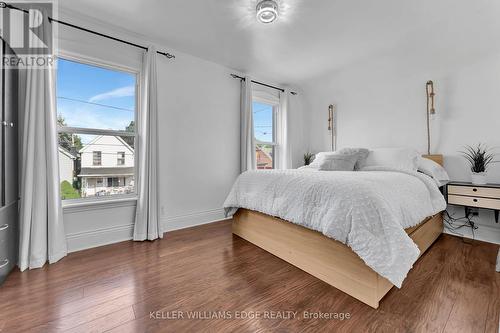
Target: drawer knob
{"x": 475, "y": 200}
{"x": 3, "y": 227}
{"x": 474, "y": 189}
{"x": 4, "y": 263}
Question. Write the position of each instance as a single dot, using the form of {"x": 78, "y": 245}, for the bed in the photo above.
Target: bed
{"x": 340, "y": 265}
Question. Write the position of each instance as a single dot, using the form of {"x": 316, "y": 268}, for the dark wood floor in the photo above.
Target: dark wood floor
{"x": 452, "y": 288}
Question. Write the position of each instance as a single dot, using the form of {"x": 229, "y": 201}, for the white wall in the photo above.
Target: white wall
{"x": 199, "y": 139}
{"x": 381, "y": 102}
{"x": 298, "y": 127}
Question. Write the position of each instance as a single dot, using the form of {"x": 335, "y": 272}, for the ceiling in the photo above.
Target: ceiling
{"x": 311, "y": 37}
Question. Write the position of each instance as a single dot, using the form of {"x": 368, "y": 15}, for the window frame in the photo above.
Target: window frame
{"x": 96, "y": 153}
{"x": 120, "y": 158}
{"x": 275, "y": 103}
{"x": 105, "y": 132}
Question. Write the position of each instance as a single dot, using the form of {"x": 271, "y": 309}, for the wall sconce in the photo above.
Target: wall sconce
{"x": 332, "y": 126}
{"x": 431, "y": 110}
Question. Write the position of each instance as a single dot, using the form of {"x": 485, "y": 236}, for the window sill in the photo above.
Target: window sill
{"x": 73, "y": 206}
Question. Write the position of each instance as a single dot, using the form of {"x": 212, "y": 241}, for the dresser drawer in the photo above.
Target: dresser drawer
{"x": 5, "y": 229}
{"x": 7, "y": 258}
{"x": 8, "y": 239}
{"x": 8, "y": 254}
{"x": 474, "y": 201}
{"x": 486, "y": 192}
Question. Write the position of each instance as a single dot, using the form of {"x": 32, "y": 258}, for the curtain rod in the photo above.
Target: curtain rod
{"x": 262, "y": 84}
{"x": 166, "y": 54}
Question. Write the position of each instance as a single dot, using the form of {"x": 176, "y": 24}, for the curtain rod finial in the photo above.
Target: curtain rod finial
{"x": 166, "y": 54}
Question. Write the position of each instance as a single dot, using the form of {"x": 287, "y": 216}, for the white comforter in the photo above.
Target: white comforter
{"x": 366, "y": 210}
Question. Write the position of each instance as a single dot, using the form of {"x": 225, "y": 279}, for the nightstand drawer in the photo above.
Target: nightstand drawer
{"x": 474, "y": 202}
{"x": 486, "y": 192}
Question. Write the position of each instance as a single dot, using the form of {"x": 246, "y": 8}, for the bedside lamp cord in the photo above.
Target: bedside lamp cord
{"x": 452, "y": 223}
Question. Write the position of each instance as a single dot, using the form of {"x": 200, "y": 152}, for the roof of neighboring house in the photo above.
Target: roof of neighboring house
{"x": 107, "y": 172}
{"x": 263, "y": 157}
{"x": 67, "y": 153}
{"x": 264, "y": 152}
{"x": 85, "y": 147}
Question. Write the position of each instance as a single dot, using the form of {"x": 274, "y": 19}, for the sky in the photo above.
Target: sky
{"x": 94, "y": 97}
{"x": 263, "y": 121}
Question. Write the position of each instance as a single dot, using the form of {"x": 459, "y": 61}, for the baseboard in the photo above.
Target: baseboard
{"x": 105, "y": 236}
{"x": 193, "y": 219}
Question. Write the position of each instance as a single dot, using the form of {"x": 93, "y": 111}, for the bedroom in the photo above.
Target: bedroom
{"x": 126, "y": 143}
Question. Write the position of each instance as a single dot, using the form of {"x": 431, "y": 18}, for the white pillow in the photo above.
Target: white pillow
{"x": 362, "y": 154}
{"x": 433, "y": 170}
{"x": 358, "y": 153}
{"x": 339, "y": 162}
{"x": 398, "y": 158}
{"x": 319, "y": 158}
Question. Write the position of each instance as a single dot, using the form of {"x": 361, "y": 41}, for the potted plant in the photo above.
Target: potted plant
{"x": 308, "y": 158}
{"x": 479, "y": 158}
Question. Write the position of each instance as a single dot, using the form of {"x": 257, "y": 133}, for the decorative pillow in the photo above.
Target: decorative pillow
{"x": 318, "y": 159}
{"x": 362, "y": 154}
{"x": 359, "y": 153}
{"x": 338, "y": 162}
{"x": 433, "y": 170}
{"x": 398, "y": 158}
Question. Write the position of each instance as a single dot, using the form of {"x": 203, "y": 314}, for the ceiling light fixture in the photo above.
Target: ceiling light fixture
{"x": 267, "y": 11}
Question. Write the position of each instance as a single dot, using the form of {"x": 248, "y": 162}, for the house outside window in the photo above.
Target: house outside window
{"x": 117, "y": 179}
{"x": 96, "y": 157}
{"x": 264, "y": 119}
{"x": 96, "y": 106}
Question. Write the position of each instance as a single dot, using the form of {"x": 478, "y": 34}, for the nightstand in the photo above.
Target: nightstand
{"x": 481, "y": 196}
{"x": 469, "y": 195}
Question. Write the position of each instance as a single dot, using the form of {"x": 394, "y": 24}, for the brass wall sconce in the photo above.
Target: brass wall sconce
{"x": 431, "y": 110}
{"x": 332, "y": 127}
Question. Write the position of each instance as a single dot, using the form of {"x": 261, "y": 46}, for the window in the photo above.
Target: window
{"x": 121, "y": 158}
{"x": 96, "y": 112}
{"x": 96, "y": 157}
{"x": 264, "y": 123}
{"x": 112, "y": 182}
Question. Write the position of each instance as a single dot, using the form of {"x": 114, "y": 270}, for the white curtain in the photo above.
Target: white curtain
{"x": 41, "y": 227}
{"x": 284, "y": 153}
{"x": 147, "y": 223}
{"x": 247, "y": 141}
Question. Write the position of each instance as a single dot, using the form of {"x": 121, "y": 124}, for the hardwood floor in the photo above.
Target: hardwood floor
{"x": 452, "y": 288}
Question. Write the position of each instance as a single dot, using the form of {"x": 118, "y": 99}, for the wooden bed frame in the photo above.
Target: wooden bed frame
{"x": 325, "y": 258}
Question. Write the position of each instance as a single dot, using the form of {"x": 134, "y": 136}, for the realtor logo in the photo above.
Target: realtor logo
{"x": 28, "y": 33}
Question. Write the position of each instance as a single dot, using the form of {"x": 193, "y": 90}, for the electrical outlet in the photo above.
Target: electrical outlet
{"x": 162, "y": 210}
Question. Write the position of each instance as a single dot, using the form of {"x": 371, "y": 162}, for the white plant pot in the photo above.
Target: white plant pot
{"x": 478, "y": 178}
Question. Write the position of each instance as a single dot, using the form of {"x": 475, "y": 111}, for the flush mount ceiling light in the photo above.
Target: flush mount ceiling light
{"x": 267, "y": 11}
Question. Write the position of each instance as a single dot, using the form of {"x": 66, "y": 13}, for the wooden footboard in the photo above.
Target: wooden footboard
{"x": 323, "y": 257}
